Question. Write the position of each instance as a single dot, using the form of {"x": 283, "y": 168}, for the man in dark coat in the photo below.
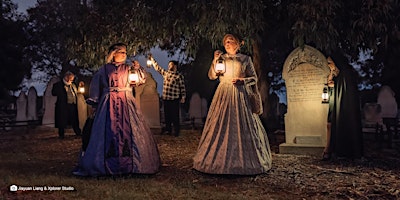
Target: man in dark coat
{"x": 66, "y": 110}
{"x": 346, "y": 131}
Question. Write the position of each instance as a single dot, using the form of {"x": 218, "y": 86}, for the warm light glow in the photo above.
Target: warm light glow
{"x": 81, "y": 90}
{"x": 220, "y": 67}
{"x": 133, "y": 78}
{"x": 149, "y": 63}
{"x": 325, "y": 95}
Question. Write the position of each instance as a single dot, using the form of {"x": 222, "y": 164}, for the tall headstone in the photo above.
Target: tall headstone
{"x": 204, "y": 108}
{"x": 305, "y": 72}
{"x": 195, "y": 108}
{"x": 388, "y": 102}
{"x": 82, "y": 110}
{"x": 21, "y": 108}
{"x": 32, "y": 106}
{"x": 148, "y": 100}
{"x": 49, "y": 103}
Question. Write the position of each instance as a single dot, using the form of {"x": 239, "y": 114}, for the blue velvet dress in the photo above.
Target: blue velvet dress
{"x": 121, "y": 141}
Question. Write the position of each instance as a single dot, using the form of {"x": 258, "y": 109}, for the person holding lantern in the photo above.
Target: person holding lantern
{"x": 174, "y": 92}
{"x": 344, "y": 132}
{"x": 233, "y": 140}
{"x": 120, "y": 141}
{"x": 66, "y": 111}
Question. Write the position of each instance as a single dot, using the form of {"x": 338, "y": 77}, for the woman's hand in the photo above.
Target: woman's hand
{"x": 217, "y": 54}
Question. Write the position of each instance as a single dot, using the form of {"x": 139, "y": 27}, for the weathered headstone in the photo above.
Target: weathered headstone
{"x": 32, "y": 109}
{"x": 82, "y": 110}
{"x": 204, "y": 108}
{"x": 21, "y": 108}
{"x": 305, "y": 73}
{"x": 148, "y": 101}
{"x": 372, "y": 118}
{"x": 195, "y": 109}
{"x": 388, "y": 102}
{"x": 49, "y": 103}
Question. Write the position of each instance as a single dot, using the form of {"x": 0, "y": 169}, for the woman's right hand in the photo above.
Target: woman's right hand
{"x": 217, "y": 54}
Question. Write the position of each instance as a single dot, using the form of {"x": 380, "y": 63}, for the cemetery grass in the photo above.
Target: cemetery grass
{"x": 37, "y": 158}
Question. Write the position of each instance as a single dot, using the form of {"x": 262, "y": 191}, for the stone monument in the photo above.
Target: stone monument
{"x": 49, "y": 103}
{"x": 82, "y": 109}
{"x": 32, "y": 99}
{"x": 305, "y": 72}
{"x": 148, "y": 101}
{"x": 22, "y": 108}
{"x": 388, "y": 102}
{"x": 197, "y": 110}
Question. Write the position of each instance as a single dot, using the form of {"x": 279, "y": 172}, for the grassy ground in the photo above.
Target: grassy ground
{"x": 37, "y": 158}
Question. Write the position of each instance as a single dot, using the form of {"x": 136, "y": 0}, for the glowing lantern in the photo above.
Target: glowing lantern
{"x": 219, "y": 67}
{"x": 134, "y": 77}
{"x": 325, "y": 95}
{"x": 81, "y": 89}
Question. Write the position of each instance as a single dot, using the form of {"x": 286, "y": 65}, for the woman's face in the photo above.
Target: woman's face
{"x": 231, "y": 45}
{"x": 120, "y": 54}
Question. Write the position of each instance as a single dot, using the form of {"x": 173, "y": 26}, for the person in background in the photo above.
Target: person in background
{"x": 66, "y": 110}
{"x": 173, "y": 93}
{"x": 345, "y": 134}
{"x": 233, "y": 140}
{"x": 120, "y": 141}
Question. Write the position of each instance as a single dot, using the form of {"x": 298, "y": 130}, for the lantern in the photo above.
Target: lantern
{"x": 133, "y": 76}
{"x": 81, "y": 89}
{"x": 325, "y": 94}
{"x": 219, "y": 67}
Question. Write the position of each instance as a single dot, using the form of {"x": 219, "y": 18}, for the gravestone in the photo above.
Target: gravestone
{"x": 21, "y": 108}
{"x": 305, "y": 72}
{"x": 372, "y": 118}
{"x": 388, "y": 102}
{"x": 49, "y": 103}
{"x": 32, "y": 99}
{"x": 82, "y": 110}
{"x": 195, "y": 109}
{"x": 204, "y": 108}
{"x": 148, "y": 101}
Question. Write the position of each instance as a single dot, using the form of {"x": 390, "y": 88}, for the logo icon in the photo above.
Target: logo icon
{"x": 13, "y": 188}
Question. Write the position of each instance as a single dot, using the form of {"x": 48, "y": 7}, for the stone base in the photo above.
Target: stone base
{"x": 301, "y": 149}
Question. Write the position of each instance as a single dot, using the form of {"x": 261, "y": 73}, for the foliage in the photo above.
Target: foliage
{"x": 13, "y": 67}
{"x": 81, "y": 31}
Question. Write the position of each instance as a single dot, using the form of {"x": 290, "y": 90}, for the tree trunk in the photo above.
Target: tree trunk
{"x": 263, "y": 84}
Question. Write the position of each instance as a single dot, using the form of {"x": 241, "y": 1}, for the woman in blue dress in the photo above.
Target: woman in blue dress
{"x": 121, "y": 141}
{"x": 234, "y": 140}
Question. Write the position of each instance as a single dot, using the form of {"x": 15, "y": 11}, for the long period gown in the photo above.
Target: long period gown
{"x": 234, "y": 140}
{"x": 121, "y": 141}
